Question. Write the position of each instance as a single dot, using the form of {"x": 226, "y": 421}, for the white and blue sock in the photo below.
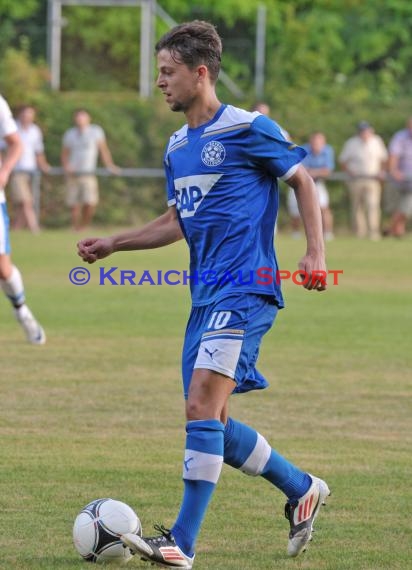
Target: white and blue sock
{"x": 13, "y": 288}
{"x": 201, "y": 470}
{"x": 247, "y": 450}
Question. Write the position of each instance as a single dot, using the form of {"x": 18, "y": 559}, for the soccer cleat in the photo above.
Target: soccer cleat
{"x": 34, "y": 332}
{"x": 161, "y": 550}
{"x": 302, "y": 513}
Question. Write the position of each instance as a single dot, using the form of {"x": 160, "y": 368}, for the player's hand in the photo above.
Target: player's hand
{"x": 314, "y": 271}
{"x": 92, "y": 249}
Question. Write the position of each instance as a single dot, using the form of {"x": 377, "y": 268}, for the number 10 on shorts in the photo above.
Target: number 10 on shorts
{"x": 219, "y": 320}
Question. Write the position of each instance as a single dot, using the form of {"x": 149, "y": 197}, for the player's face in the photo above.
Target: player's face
{"x": 178, "y": 83}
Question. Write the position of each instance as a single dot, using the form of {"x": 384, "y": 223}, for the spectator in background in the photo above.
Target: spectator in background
{"x": 82, "y": 145}
{"x": 364, "y": 158}
{"x": 21, "y": 180}
{"x": 400, "y": 169}
{"x": 291, "y": 202}
{"x": 262, "y": 107}
{"x": 320, "y": 162}
{"x": 294, "y": 214}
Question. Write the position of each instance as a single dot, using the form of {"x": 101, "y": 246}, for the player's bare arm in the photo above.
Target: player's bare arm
{"x": 14, "y": 149}
{"x": 161, "y": 231}
{"x": 313, "y": 262}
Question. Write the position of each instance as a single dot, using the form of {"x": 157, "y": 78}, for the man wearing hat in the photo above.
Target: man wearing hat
{"x": 363, "y": 158}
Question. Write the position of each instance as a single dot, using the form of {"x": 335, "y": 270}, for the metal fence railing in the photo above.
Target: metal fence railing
{"x": 158, "y": 173}
{"x": 137, "y": 173}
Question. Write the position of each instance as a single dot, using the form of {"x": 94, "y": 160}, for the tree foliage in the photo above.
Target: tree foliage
{"x": 330, "y": 47}
{"x": 13, "y": 10}
{"x": 329, "y": 64}
{"x": 21, "y": 21}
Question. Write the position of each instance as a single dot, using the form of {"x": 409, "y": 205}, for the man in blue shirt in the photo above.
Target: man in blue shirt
{"x": 319, "y": 162}
{"x": 222, "y": 169}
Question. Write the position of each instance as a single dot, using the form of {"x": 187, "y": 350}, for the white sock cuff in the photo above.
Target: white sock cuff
{"x": 198, "y": 466}
{"x": 257, "y": 460}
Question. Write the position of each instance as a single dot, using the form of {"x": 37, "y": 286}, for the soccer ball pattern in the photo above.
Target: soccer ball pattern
{"x": 98, "y": 527}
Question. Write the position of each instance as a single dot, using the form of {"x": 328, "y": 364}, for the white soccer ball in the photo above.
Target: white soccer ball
{"x": 98, "y": 527}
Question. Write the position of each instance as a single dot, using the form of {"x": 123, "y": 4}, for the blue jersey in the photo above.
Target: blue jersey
{"x": 324, "y": 159}
{"x": 222, "y": 178}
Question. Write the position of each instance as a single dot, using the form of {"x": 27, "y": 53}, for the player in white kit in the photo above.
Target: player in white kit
{"x": 11, "y": 281}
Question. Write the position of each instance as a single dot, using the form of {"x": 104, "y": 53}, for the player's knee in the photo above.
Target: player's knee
{"x": 197, "y": 410}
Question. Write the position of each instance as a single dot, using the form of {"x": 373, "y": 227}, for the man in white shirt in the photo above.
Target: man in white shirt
{"x": 32, "y": 158}
{"x": 364, "y": 157}
{"x": 82, "y": 145}
{"x": 10, "y": 277}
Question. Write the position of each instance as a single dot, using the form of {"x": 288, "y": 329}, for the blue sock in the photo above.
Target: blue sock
{"x": 247, "y": 450}
{"x": 201, "y": 469}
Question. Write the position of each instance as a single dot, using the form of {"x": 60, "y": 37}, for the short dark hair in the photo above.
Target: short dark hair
{"x": 194, "y": 43}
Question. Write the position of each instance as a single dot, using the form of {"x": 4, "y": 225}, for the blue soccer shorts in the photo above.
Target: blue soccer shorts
{"x": 4, "y": 230}
{"x": 225, "y": 336}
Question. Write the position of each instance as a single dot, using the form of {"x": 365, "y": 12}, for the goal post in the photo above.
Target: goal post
{"x": 150, "y": 9}
{"x": 54, "y": 33}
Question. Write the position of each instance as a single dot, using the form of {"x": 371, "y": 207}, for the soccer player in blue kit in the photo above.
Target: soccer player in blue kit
{"x": 222, "y": 169}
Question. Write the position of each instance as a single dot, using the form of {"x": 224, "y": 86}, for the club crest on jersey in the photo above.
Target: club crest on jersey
{"x": 213, "y": 153}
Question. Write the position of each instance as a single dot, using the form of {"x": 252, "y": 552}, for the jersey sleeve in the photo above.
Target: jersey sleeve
{"x": 270, "y": 148}
{"x": 7, "y": 123}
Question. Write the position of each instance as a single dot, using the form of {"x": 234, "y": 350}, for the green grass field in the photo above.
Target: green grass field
{"x": 98, "y": 410}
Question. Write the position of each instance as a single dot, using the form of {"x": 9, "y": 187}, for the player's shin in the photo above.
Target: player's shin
{"x": 247, "y": 450}
{"x": 201, "y": 470}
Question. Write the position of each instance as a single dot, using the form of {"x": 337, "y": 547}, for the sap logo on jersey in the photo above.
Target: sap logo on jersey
{"x": 191, "y": 190}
